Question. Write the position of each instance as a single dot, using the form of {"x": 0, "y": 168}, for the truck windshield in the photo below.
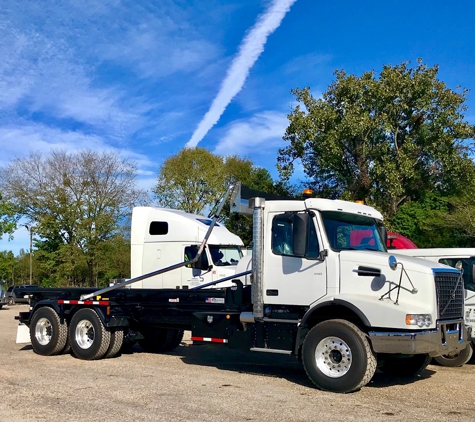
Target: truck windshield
{"x": 223, "y": 255}
{"x": 351, "y": 231}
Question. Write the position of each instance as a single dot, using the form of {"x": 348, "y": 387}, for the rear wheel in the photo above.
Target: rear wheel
{"x": 88, "y": 337}
{"x": 117, "y": 338}
{"x": 48, "y": 336}
{"x": 178, "y": 337}
{"x": 405, "y": 367}
{"x": 456, "y": 359}
{"x": 337, "y": 356}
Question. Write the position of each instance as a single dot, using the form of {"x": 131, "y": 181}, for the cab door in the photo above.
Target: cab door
{"x": 193, "y": 275}
{"x": 290, "y": 277}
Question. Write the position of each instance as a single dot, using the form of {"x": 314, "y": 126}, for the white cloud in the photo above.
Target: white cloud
{"x": 155, "y": 51}
{"x": 260, "y": 134}
{"x": 19, "y": 141}
{"x": 249, "y": 51}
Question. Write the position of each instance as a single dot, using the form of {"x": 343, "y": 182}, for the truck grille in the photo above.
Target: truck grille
{"x": 449, "y": 298}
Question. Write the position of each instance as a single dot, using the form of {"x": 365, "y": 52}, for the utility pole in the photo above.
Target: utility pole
{"x": 30, "y": 229}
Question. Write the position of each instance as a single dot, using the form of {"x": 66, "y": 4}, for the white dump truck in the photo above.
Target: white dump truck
{"x": 338, "y": 302}
{"x": 464, "y": 258}
{"x": 161, "y": 237}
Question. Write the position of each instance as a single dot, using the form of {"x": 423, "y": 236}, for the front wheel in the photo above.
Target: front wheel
{"x": 48, "y": 336}
{"x": 88, "y": 337}
{"x": 456, "y": 359}
{"x": 337, "y": 356}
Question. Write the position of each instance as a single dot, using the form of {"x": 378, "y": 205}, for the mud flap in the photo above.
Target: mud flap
{"x": 23, "y": 334}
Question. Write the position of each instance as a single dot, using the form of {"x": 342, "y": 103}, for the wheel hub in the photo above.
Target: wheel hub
{"x": 43, "y": 331}
{"x": 333, "y": 357}
{"x": 84, "y": 334}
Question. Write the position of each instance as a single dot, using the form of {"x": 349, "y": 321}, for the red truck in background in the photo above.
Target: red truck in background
{"x": 395, "y": 240}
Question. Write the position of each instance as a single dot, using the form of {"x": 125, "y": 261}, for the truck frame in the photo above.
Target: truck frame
{"x": 341, "y": 316}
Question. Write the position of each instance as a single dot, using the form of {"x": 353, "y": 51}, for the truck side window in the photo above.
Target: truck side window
{"x": 190, "y": 253}
{"x": 468, "y": 274}
{"x": 158, "y": 228}
{"x": 282, "y": 235}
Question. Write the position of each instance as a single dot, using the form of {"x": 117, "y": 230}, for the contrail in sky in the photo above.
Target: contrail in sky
{"x": 249, "y": 51}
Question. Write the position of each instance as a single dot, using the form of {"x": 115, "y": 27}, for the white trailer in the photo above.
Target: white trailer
{"x": 465, "y": 259}
{"x": 161, "y": 237}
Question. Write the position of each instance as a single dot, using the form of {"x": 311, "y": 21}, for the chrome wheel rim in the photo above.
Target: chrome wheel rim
{"x": 84, "y": 334}
{"x": 43, "y": 331}
{"x": 333, "y": 357}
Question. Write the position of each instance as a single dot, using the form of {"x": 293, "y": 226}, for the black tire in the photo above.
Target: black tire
{"x": 457, "y": 358}
{"x": 117, "y": 338}
{"x": 337, "y": 356}
{"x": 178, "y": 337}
{"x": 1, "y": 306}
{"x": 89, "y": 338}
{"x": 48, "y": 336}
{"x": 405, "y": 367}
{"x": 158, "y": 340}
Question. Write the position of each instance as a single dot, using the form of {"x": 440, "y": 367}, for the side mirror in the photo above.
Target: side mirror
{"x": 300, "y": 233}
{"x": 392, "y": 261}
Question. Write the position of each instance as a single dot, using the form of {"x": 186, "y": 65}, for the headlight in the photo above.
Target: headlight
{"x": 421, "y": 320}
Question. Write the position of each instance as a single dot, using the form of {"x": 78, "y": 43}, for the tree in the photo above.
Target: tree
{"x": 7, "y": 267}
{"x": 8, "y": 218}
{"x": 461, "y": 218}
{"x": 195, "y": 180}
{"x": 191, "y": 180}
{"x": 386, "y": 141}
{"x": 77, "y": 201}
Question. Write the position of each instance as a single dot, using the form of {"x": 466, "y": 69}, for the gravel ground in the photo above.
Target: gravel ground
{"x": 210, "y": 383}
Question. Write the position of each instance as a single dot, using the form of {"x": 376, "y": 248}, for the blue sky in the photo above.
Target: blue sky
{"x": 139, "y": 77}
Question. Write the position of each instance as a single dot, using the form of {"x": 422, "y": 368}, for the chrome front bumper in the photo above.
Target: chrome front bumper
{"x": 448, "y": 337}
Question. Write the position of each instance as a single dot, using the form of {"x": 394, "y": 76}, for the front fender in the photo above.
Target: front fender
{"x": 345, "y": 309}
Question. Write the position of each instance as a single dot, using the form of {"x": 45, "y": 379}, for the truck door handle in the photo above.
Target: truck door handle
{"x": 368, "y": 271}
{"x": 272, "y": 292}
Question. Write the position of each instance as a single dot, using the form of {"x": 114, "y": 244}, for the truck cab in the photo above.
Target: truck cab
{"x": 160, "y": 237}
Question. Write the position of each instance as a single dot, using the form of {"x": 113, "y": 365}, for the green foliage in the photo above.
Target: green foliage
{"x": 8, "y": 218}
{"x": 190, "y": 180}
{"x": 7, "y": 267}
{"x": 461, "y": 218}
{"x": 76, "y": 203}
{"x": 386, "y": 141}
{"x": 423, "y": 222}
